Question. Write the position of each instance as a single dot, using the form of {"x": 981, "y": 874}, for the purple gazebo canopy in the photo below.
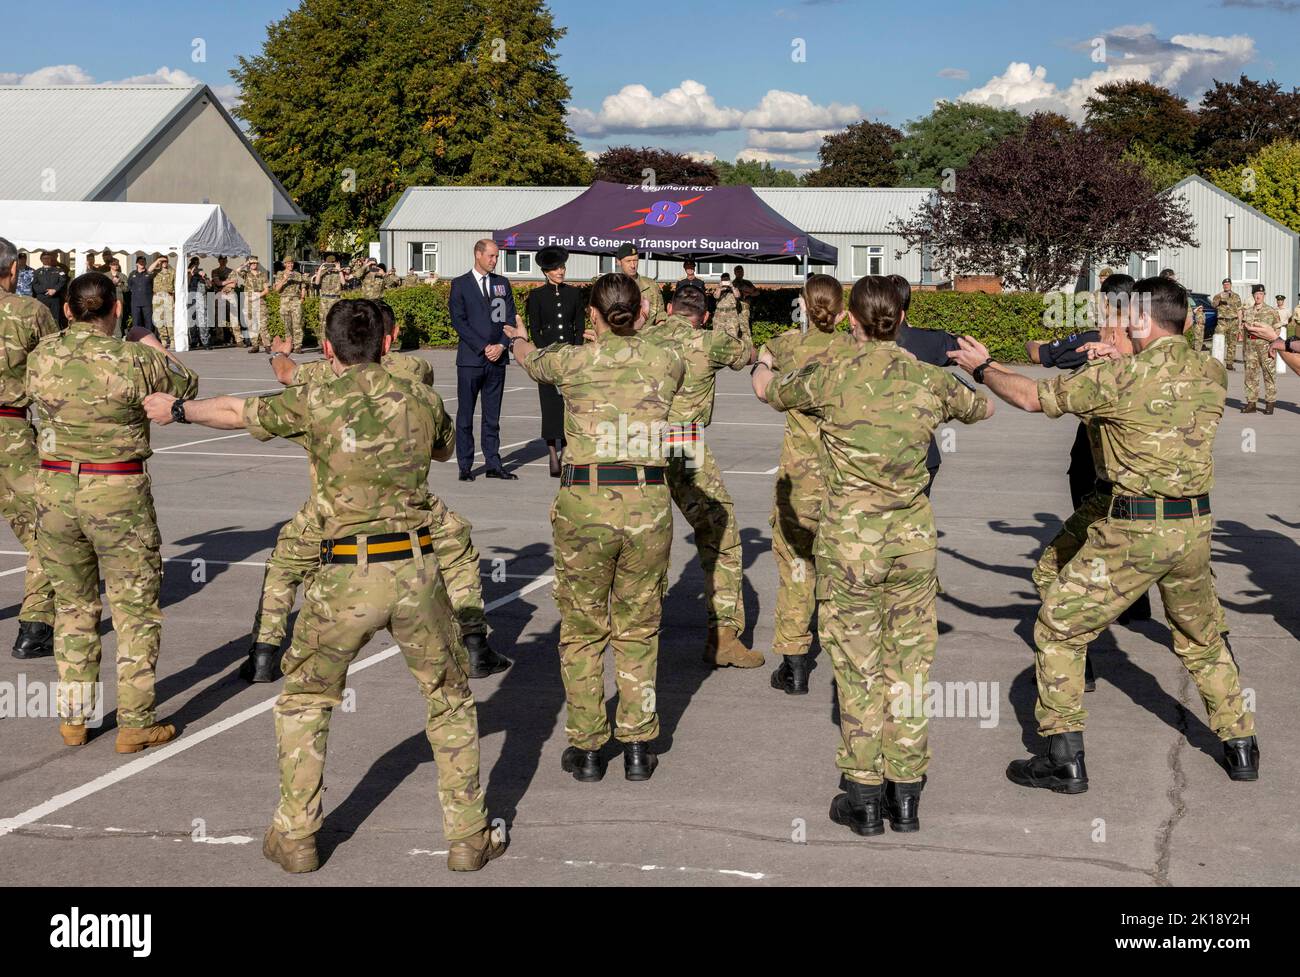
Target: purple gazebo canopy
{"x": 706, "y": 223}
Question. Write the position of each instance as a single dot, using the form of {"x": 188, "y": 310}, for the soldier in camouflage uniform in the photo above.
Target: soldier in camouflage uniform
{"x": 628, "y": 262}
{"x": 612, "y": 519}
{"x": 256, "y": 288}
{"x": 164, "y": 302}
{"x": 24, "y": 322}
{"x": 291, "y": 284}
{"x": 693, "y": 474}
{"x": 1157, "y": 414}
{"x": 94, "y": 507}
{"x": 409, "y": 279}
{"x": 877, "y": 409}
{"x": 297, "y": 548}
{"x": 1259, "y": 358}
{"x": 372, "y": 283}
{"x": 800, "y": 482}
{"x": 329, "y": 278}
{"x": 1227, "y": 306}
{"x": 370, "y": 437}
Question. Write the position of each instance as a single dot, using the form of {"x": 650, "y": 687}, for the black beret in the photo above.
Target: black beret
{"x": 624, "y": 251}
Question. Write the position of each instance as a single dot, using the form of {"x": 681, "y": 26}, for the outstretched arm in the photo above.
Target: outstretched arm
{"x": 1016, "y": 390}
{"x": 222, "y": 413}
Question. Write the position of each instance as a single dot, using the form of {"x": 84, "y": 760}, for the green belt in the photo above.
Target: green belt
{"x": 611, "y": 475}
{"x": 329, "y": 295}
{"x": 1145, "y": 507}
{"x": 380, "y": 547}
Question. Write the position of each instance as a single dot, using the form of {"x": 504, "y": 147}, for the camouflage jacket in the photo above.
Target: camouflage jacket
{"x": 24, "y": 322}
{"x": 164, "y": 282}
{"x": 372, "y": 285}
{"x": 705, "y": 352}
{"x": 618, "y": 392}
{"x": 726, "y": 315}
{"x": 1156, "y": 413}
{"x": 253, "y": 281}
{"x": 650, "y": 291}
{"x": 89, "y": 391}
{"x": 370, "y": 437}
{"x": 294, "y": 281}
{"x": 331, "y": 282}
{"x": 792, "y": 350}
{"x": 1260, "y": 315}
{"x": 1228, "y": 308}
{"x": 413, "y": 369}
{"x": 877, "y": 411}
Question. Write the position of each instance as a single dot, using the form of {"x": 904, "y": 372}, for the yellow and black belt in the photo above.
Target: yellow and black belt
{"x": 379, "y": 547}
{"x": 1149, "y": 508}
{"x": 611, "y": 475}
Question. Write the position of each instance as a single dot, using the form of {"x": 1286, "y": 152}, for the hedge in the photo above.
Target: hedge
{"x": 1001, "y": 321}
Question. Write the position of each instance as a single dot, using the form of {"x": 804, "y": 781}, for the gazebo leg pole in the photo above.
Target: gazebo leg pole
{"x": 180, "y": 314}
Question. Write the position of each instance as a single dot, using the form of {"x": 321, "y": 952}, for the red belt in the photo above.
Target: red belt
{"x": 96, "y": 468}
{"x": 13, "y": 412}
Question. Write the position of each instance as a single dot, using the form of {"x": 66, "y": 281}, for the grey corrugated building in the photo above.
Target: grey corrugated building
{"x": 434, "y": 229}
{"x": 145, "y": 143}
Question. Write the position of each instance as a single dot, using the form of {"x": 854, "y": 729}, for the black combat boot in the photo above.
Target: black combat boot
{"x": 35, "y": 640}
{"x": 791, "y": 676}
{"x": 483, "y": 661}
{"x": 585, "y": 765}
{"x": 1061, "y": 769}
{"x": 263, "y": 664}
{"x": 903, "y": 804}
{"x": 639, "y": 761}
{"x": 1242, "y": 757}
{"x": 1089, "y": 676}
{"x": 860, "y": 808}
{"x": 1268, "y": 407}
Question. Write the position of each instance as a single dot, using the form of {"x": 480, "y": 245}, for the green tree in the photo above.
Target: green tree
{"x": 1239, "y": 118}
{"x": 753, "y": 173}
{"x": 1140, "y": 115}
{"x": 627, "y": 164}
{"x": 1269, "y": 182}
{"x": 351, "y": 102}
{"x": 948, "y": 137}
{"x": 860, "y": 156}
{"x": 1163, "y": 173}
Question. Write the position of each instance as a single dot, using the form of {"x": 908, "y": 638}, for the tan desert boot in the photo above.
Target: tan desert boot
{"x": 73, "y": 735}
{"x": 133, "y": 739}
{"x": 296, "y": 855}
{"x": 724, "y": 648}
{"x": 472, "y": 853}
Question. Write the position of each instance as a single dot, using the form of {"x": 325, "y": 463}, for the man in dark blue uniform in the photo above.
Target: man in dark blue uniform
{"x": 481, "y": 303}
{"x": 928, "y": 346}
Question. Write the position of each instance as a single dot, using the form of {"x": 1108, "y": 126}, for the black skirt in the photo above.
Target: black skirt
{"x": 552, "y": 412}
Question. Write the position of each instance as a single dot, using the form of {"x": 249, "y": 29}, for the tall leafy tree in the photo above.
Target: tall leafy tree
{"x": 1270, "y": 181}
{"x": 860, "y": 156}
{"x": 1161, "y": 172}
{"x": 1242, "y": 117}
{"x": 627, "y": 164}
{"x": 753, "y": 173}
{"x": 948, "y": 137}
{"x": 1140, "y": 115}
{"x": 351, "y": 101}
{"x": 1037, "y": 207}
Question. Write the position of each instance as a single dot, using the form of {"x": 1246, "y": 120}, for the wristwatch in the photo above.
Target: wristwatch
{"x": 1286, "y": 344}
{"x": 978, "y": 372}
{"x": 178, "y": 411}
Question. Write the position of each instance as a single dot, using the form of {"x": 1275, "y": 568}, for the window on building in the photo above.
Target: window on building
{"x": 800, "y": 269}
{"x": 607, "y": 266}
{"x": 1150, "y": 265}
{"x": 519, "y": 263}
{"x": 424, "y": 257}
{"x": 710, "y": 269}
{"x": 868, "y": 259}
{"x": 1246, "y": 265}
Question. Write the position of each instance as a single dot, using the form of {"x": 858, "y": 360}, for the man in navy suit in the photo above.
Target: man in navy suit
{"x": 481, "y": 303}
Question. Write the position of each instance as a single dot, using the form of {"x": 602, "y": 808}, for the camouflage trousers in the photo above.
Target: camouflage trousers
{"x": 612, "y": 545}
{"x": 1229, "y": 331}
{"x": 344, "y": 606}
{"x": 291, "y": 316}
{"x": 297, "y": 555}
{"x": 103, "y": 523}
{"x": 877, "y": 620}
{"x": 256, "y": 316}
{"x": 794, "y": 530}
{"x": 1120, "y": 559}
{"x": 326, "y": 303}
{"x": 700, "y": 495}
{"x": 1259, "y": 360}
{"x": 164, "y": 314}
{"x": 18, "y": 464}
{"x": 1196, "y": 333}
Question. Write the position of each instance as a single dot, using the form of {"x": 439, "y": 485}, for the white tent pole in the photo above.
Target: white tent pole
{"x": 180, "y": 315}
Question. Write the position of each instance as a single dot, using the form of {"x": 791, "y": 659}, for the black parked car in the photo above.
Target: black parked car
{"x": 1211, "y": 317}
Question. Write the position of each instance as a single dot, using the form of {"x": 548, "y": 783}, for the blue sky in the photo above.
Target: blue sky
{"x": 719, "y": 77}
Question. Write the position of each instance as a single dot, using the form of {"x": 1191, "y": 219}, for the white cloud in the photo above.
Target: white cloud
{"x": 1184, "y": 63}
{"x": 71, "y": 74}
{"x": 55, "y": 74}
{"x": 689, "y": 108}
{"x": 812, "y": 139}
{"x": 959, "y": 74}
{"x": 764, "y": 156}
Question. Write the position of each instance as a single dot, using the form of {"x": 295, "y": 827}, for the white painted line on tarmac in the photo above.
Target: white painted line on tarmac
{"x": 189, "y": 740}
{"x": 5, "y": 573}
{"x": 583, "y": 863}
{"x": 186, "y": 444}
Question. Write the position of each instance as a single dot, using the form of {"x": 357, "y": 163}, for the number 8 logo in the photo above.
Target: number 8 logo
{"x": 663, "y": 213}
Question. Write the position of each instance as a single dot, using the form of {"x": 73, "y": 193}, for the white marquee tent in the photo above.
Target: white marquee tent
{"x": 77, "y": 226}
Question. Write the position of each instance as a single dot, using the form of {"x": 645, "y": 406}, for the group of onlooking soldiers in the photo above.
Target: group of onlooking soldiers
{"x": 1235, "y": 323}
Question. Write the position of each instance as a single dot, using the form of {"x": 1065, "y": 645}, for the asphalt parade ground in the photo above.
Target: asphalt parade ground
{"x": 746, "y": 774}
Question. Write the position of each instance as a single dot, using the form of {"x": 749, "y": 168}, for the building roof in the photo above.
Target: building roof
{"x": 816, "y": 210}
{"x": 1237, "y": 201}
{"x": 71, "y": 142}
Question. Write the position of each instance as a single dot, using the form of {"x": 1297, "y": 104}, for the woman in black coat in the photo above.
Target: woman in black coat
{"x": 556, "y": 314}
